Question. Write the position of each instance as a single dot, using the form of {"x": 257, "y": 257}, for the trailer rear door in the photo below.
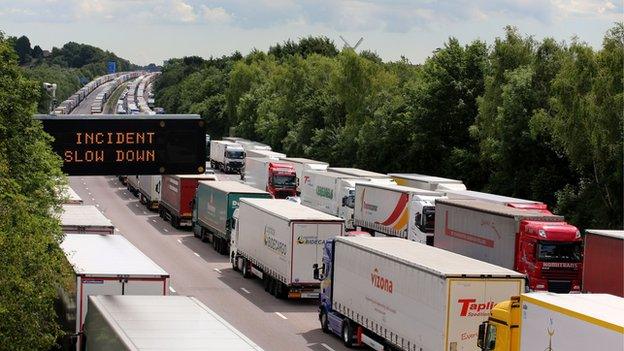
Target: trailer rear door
{"x": 308, "y": 242}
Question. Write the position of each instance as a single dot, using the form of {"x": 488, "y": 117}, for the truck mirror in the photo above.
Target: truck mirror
{"x": 482, "y": 327}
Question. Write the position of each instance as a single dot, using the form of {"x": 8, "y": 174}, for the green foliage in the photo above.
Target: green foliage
{"x": 30, "y": 175}
{"x": 525, "y": 118}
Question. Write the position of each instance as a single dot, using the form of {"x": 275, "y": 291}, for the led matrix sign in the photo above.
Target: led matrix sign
{"x": 114, "y": 144}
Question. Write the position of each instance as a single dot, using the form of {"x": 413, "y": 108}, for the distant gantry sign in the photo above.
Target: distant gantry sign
{"x": 128, "y": 145}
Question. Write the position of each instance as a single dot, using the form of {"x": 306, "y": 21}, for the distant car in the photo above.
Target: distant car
{"x": 295, "y": 199}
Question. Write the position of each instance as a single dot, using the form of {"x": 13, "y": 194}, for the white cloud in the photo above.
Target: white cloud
{"x": 589, "y": 8}
{"x": 215, "y": 14}
{"x": 182, "y": 11}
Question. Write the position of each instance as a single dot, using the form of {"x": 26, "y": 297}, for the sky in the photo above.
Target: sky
{"x": 146, "y": 31}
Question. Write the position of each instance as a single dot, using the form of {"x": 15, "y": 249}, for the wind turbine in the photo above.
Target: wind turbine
{"x": 347, "y": 45}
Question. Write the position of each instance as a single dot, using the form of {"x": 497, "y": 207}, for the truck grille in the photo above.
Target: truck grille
{"x": 559, "y": 286}
{"x": 559, "y": 274}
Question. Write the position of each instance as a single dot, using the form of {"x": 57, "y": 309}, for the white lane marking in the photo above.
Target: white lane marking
{"x": 245, "y": 290}
{"x": 327, "y": 347}
{"x": 90, "y": 194}
{"x": 92, "y": 199}
{"x": 86, "y": 188}
{"x": 171, "y": 289}
{"x": 281, "y": 315}
{"x": 165, "y": 229}
{"x": 125, "y": 193}
{"x": 137, "y": 205}
{"x": 144, "y": 212}
{"x": 179, "y": 241}
{"x": 153, "y": 220}
{"x": 216, "y": 270}
{"x": 196, "y": 254}
{"x": 97, "y": 205}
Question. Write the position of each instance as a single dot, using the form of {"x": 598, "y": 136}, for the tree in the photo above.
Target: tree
{"x": 30, "y": 177}
{"x": 37, "y": 52}
{"x": 23, "y": 50}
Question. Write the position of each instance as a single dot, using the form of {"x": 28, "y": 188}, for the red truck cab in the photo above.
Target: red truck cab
{"x": 282, "y": 180}
{"x": 550, "y": 254}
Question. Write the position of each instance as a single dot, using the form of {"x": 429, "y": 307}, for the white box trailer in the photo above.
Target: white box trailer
{"x": 571, "y": 322}
{"x": 70, "y": 197}
{"x": 410, "y": 296}
{"x": 133, "y": 323}
{"x": 427, "y": 182}
{"x": 106, "y": 265}
{"x": 304, "y": 164}
{"x": 395, "y": 210}
{"x": 85, "y": 219}
{"x": 132, "y": 184}
{"x": 497, "y": 199}
{"x": 279, "y": 241}
{"x": 264, "y": 154}
{"x": 356, "y": 172}
{"x": 149, "y": 190}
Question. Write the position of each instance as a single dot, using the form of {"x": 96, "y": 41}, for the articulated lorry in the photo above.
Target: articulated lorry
{"x": 132, "y": 184}
{"x": 541, "y": 245}
{"x": 603, "y": 262}
{"x": 264, "y": 154}
{"x": 275, "y": 177}
{"x": 176, "y": 198}
{"x": 137, "y": 323}
{"x": 521, "y": 204}
{"x": 393, "y": 294}
{"x": 214, "y": 207}
{"x": 278, "y": 241}
{"x": 361, "y": 173}
{"x": 149, "y": 190}
{"x": 302, "y": 165}
{"x": 227, "y": 156}
{"x": 70, "y": 197}
{"x": 551, "y": 322}
{"x": 395, "y": 210}
{"x": 330, "y": 192}
{"x": 104, "y": 265}
{"x": 426, "y": 182}
{"x": 85, "y": 219}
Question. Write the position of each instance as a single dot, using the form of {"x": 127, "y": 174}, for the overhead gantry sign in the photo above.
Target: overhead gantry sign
{"x": 116, "y": 145}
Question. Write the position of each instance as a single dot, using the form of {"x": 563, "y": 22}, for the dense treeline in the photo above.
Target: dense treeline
{"x": 532, "y": 119}
{"x": 30, "y": 176}
{"x": 69, "y": 66}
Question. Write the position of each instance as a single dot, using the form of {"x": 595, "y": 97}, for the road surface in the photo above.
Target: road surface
{"x": 197, "y": 270}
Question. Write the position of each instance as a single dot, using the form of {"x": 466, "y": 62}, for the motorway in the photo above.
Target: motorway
{"x": 197, "y": 270}
{"x": 84, "y": 108}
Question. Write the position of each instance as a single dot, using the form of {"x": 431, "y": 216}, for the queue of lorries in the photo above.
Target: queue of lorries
{"x": 402, "y": 261}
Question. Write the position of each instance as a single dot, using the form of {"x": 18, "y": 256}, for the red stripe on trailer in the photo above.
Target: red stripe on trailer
{"x": 475, "y": 239}
{"x": 397, "y": 210}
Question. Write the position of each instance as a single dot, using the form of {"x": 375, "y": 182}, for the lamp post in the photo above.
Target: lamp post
{"x": 51, "y": 89}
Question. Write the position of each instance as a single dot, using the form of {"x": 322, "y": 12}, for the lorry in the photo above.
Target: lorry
{"x": 542, "y": 246}
{"x": 176, "y": 197}
{"x": 214, "y": 207}
{"x": 304, "y": 164}
{"x": 226, "y": 156}
{"x": 104, "y": 265}
{"x": 394, "y": 294}
{"x": 132, "y": 184}
{"x": 134, "y": 323}
{"x": 149, "y": 190}
{"x": 70, "y": 197}
{"x": 602, "y": 249}
{"x": 277, "y": 178}
{"x": 264, "y": 154}
{"x": 547, "y": 321}
{"x": 356, "y": 172}
{"x": 278, "y": 241}
{"x": 252, "y": 145}
{"x": 498, "y": 199}
{"x": 427, "y": 182}
{"x": 84, "y": 219}
{"x": 395, "y": 210}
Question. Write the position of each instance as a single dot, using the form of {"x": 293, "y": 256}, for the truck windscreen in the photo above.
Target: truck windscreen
{"x": 429, "y": 219}
{"x": 559, "y": 252}
{"x": 284, "y": 181}
{"x": 235, "y": 155}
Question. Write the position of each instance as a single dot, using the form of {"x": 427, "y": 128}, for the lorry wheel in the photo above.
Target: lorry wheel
{"x": 266, "y": 282}
{"x": 347, "y": 334}
{"x": 245, "y": 269}
{"x": 280, "y": 290}
{"x": 234, "y": 265}
{"x": 324, "y": 322}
